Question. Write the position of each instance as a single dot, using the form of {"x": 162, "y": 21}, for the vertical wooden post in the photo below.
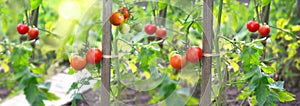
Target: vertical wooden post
{"x": 106, "y": 48}
{"x": 207, "y": 48}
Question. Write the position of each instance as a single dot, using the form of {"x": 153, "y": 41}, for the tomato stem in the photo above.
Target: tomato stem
{"x": 287, "y": 32}
{"x": 221, "y": 75}
{"x": 117, "y": 62}
{"x": 257, "y": 13}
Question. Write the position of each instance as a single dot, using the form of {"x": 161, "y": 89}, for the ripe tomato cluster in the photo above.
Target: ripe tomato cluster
{"x": 193, "y": 55}
{"x": 263, "y": 30}
{"x": 119, "y": 17}
{"x": 93, "y": 56}
{"x": 151, "y": 29}
{"x": 22, "y": 29}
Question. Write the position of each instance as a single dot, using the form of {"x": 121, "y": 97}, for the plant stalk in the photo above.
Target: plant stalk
{"x": 218, "y": 58}
{"x": 117, "y": 63}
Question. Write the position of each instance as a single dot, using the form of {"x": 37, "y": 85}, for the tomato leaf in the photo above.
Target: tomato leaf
{"x": 45, "y": 85}
{"x": 250, "y": 56}
{"x": 78, "y": 96}
{"x": 31, "y": 91}
{"x": 244, "y": 94}
{"x": 97, "y": 85}
{"x": 277, "y": 85}
{"x": 35, "y": 4}
{"x": 262, "y": 92}
{"x": 285, "y": 96}
{"x": 73, "y": 86}
{"x": 265, "y": 2}
{"x": 268, "y": 69}
{"x": 51, "y": 96}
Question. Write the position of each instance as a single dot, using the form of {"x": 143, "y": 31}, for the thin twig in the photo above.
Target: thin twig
{"x": 49, "y": 32}
{"x": 293, "y": 35}
{"x": 230, "y": 41}
{"x": 257, "y": 13}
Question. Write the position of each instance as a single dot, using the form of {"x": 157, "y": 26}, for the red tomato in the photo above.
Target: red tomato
{"x": 125, "y": 12}
{"x": 150, "y": 29}
{"x": 264, "y": 30}
{"x": 161, "y": 33}
{"x": 194, "y": 54}
{"x": 252, "y": 26}
{"x": 177, "y": 61}
{"x": 33, "y": 33}
{"x": 22, "y": 28}
{"x": 93, "y": 56}
{"x": 116, "y": 19}
{"x": 78, "y": 63}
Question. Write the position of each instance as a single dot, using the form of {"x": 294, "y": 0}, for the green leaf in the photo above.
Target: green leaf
{"x": 292, "y": 49}
{"x": 38, "y": 103}
{"x": 268, "y": 69}
{"x": 31, "y": 91}
{"x": 51, "y": 96}
{"x": 35, "y": 4}
{"x": 97, "y": 85}
{"x": 36, "y": 70}
{"x": 71, "y": 71}
{"x": 5, "y": 67}
{"x": 249, "y": 56}
{"x": 45, "y": 85}
{"x": 285, "y": 96}
{"x": 296, "y": 28}
{"x": 262, "y": 92}
{"x": 192, "y": 101}
{"x": 272, "y": 99}
{"x": 277, "y": 85}
{"x": 265, "y": 2}
{"x": 244, "y": 94}
{"x": 73, "y": 86}
{"x": 78, "y": 96}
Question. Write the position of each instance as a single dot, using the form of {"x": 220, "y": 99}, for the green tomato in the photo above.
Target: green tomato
{"x": 124, "y": 28}
{"x": 137, "y": 27}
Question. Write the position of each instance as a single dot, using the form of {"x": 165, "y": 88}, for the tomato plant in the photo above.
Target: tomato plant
{"x": 165, "y": 68}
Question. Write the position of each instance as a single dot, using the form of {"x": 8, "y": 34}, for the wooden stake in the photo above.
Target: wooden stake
{"x": 106, "y": 50}
{"x": 205, "y": 97}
